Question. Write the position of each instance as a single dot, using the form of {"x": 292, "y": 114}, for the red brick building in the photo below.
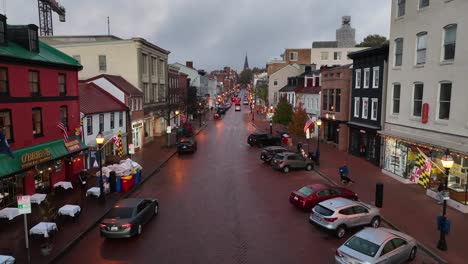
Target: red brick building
{"x": 38, "y": 89}
{"x": 336, "y": 89}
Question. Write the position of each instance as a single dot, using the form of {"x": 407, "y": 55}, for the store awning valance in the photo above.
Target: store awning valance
{"x": 26, "y": 158}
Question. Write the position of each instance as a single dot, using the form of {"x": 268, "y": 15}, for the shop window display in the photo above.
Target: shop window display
{"x": 42, "y": 181}
{"x": 8, "y": 191}
{"x": 396, "y": 157}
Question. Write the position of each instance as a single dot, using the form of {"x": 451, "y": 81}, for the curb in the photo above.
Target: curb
{"x": 80, "y": 236}
{"x": 424, "y": 248}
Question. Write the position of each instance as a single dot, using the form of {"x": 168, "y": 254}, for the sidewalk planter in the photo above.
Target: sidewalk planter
{"x": 127, "y": 183}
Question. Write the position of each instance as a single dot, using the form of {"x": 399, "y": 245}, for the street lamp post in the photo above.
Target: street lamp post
{"x": 271, "y": 127}
{"x": 447, "y": 163}
{"x": 319, "y": 123}
{"x": 199, "y": 114}
{"x": 99, "y": 142}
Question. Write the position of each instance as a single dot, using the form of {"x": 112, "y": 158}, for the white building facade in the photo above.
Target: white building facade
{"x": 279, "y": 79}
{"x": 426, "y": 109}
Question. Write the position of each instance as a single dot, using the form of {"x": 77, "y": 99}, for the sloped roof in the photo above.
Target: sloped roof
{"x": 308, "y": 90}
{"x": 120, "y": 83}
{"x": 46, "y": 55}
{"x": 93, "y": 100}
{"x": 324, "y": 44}
{"x": 287, "y": 88}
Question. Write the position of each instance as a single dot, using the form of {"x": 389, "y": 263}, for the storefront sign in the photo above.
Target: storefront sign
{"x": 425, "y": 113}
{"x": 137, "y": 125}
{"x": 33, "y": 158}
{"x": 24, "y": 204}
{"x": 168, "y": 129}
{"x": 73, "y": 145}
{"x": 131, "y": 149}
{"x": 362, "y": 131}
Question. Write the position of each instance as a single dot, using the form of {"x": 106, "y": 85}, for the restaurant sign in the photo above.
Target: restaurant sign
{"x": 73, "y": 145}
{"x": 34, "y": 158}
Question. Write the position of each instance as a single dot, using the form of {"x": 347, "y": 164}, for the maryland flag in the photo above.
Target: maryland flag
{"x": 422, "y": 170}
{"x": 117, "y": 139}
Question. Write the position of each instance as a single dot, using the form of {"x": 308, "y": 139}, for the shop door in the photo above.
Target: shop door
{"x": 354, "y": 143}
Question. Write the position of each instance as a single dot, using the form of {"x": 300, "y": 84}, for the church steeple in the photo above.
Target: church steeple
{"x": 246, "y": 62}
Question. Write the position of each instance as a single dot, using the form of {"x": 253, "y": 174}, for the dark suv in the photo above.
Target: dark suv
{"x": 261, "y": 140}
{"x": 288, "y": 161}
{"x": 267, "y": 153}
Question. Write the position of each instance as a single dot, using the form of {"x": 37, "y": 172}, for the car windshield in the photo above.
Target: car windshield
{"x": 279, "y": 156}
{"x": 120, "y": 212}
{"x": 185, "y": 141}
{"x": 323, "y": 210}
{"x": 362, "y": 246}
{"x": 306, "y": 191}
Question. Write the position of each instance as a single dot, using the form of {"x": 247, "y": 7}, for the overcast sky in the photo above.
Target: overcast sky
{"x": 214, "y": 33}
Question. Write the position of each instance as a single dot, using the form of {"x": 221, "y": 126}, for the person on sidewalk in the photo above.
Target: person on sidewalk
{"x": 344, "y": 172}
{"x": 440, "y": 194}
{"x": 299, "y": 147}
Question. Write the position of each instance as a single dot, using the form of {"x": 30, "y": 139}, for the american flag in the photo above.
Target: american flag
{"x": 307, "y": 123}
{"x": 62, "y": 127}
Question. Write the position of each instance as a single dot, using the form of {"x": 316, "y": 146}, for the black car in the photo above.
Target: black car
{"x": 127, "y": 217}
{"x": 221, "y": 111}
{"x": 267, "y": 153}
{"x": 186, "y": 145}
{"x": 262, "y": 140}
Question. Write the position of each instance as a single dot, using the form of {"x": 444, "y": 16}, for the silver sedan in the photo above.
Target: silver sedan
{"x": 377, "y": 245}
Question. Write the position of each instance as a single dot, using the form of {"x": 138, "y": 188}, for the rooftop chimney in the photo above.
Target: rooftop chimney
{"x": 189, "y": 64}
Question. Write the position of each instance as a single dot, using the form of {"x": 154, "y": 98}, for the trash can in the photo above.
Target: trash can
{"x": 137, "y": 177}
{"x": 127, "y": 183}
{"x": 112, "y": 181}
{"x": 118, "y": 184}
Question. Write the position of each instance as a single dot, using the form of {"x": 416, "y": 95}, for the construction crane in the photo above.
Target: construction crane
{"x": 45, "y": 15}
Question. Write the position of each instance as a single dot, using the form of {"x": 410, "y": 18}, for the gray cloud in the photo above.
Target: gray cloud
{"x": 215, "y": 33}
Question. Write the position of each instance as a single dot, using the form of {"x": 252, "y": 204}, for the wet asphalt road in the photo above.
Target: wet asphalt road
{"x": 220, "y": 205}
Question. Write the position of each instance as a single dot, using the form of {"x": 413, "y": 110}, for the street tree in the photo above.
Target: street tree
{"x": 298, "y": 120}
{"x": 245, "y": 77}
{"x": 257, "y": 70}
{"x": 284, "y": 112}
{"x": 262, "y": 92}
{"x": 374, "y": 40}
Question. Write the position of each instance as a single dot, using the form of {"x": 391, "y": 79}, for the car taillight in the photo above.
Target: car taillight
{"x": 102, "y": 226}
{"x": 338, "y": 253}
{"x": 330, "y": 219}
{"x": 281, "y": 162}
{"x": 127, "y": 226}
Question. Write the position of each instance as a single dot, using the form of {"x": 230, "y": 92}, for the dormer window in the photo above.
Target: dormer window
{"x": 33, "y": 40}
{"x": 2, "y": 32}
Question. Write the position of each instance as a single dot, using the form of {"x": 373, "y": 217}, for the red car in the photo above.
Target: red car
{"x": 310, "y": 195}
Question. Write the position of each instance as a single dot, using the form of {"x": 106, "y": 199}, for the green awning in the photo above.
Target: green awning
{"x": 26, "y": 158}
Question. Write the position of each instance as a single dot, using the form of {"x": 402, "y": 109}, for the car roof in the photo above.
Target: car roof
{"x": 337, "y": 203}
{"x": 318, "y": 186}
{"x": 129, "y": 202}
{"x": 274, "y": 147}
{"x": 258, "y": 134}
{"x": 376, "y": 235}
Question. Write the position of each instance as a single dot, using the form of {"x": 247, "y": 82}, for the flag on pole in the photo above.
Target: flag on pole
{"x": 4, "y": 146}
{"x": 62, "y": 127}
{"x": 117, "y": 139}
{"x": 421, "y": 172}
{"x": 308, "y": 123}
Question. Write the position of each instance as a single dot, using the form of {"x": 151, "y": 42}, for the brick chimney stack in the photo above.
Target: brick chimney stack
{"x": 189, "y": 64}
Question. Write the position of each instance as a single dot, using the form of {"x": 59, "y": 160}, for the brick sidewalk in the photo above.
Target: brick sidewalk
{"x": 405, "y": 206}
{"x": 151, "y": 158}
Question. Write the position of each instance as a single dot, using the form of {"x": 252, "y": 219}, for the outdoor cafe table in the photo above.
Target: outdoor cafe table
{"x": 38, "y": 198}
{"x": 94, "y": 191}
{"x": 69, "y": 209}
{"x": 10, "y": 213}
{"x": 64, "y": 184}
{"x": 43, "y": 228}
{"x": 6, "y": 259}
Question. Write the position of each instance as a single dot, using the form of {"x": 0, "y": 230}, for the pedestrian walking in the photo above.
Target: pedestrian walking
{"x": 299, "y": 147}
{"x": 440, "y": 194}
{"x": 344, "y": 172}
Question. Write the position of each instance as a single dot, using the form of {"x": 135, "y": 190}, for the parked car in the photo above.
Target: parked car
{"x": 237, "y": 107}
{"x": 221, "y": 110}
{"x": 310, "y": 195}
{"x": 262, "y": 140}
{"x": 127, "y": 217}
{"x": 340, "y": 214}
{"x": 245, "y": 102}
{"x": 377, "y": 245}
{"x": 267, "y": 153}
{"x": 186, "y": 145}
{"x": 288, "y": 161}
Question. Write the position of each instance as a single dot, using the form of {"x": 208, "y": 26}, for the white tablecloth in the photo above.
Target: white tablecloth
{"x": 64, "y": 184}
{"x": 38, "y": 198}
{"x": 69, "y": 209}
{"x": 6, "y": 259}
{"x": 43, "y": 228}
{"x": 10, "y": 213}
{"x": 93, "y": 191}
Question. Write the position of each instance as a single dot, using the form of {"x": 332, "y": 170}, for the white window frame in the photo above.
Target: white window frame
{"x": 322, "y": 55}
{"x": 419, "y": 37}
{"x": 358, "y": 79}
{"x": 423, "y": 7}
{"x": 374, "y": 108}
{"x": 395, "y": 54}
{"x": 337, "y": 55}
{"x": 398, "y": 8}
{"x": 293, "y": 56}
{"x": 438, "y": 100}
{"x": 444, "y": 44}
{"x": 375, "y": 77}
{"x": 365, "y": 110}
{"x": 366, "y": 78}
{"x": 393, "y": 99}
{"x": 357, "y": 106}
{"x": 412, "y": 99}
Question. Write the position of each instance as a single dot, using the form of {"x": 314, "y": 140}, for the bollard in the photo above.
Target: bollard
{"x": 379, "y": 188}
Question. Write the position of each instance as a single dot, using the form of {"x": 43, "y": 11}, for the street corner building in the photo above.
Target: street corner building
{"x": 40, "y": 130}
